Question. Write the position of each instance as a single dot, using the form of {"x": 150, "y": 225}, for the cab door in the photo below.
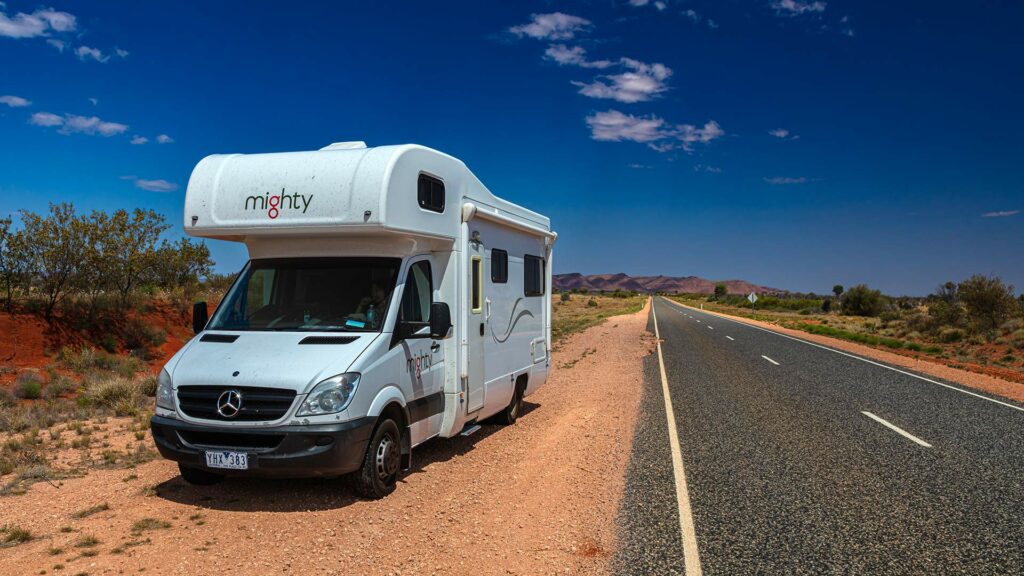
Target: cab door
{"x": 424, "y": 356}
{"x": 475, "y": 328}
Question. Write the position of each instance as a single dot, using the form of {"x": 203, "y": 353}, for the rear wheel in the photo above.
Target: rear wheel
{"x": 511, "y": 412}
{"x": 198, "y": 476}
{"x": 379, "y": 474}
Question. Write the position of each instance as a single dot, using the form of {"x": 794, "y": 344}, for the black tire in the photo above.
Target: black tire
{"x": 381, "y": 465}
{"x": 198, "y": 476}
{"x": 511, "y": 413}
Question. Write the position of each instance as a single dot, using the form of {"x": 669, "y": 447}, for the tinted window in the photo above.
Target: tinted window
{"x": 417, "y": 295}
{"x": 499, "y": 266}
{"x": 533, "y": 275}
{"x": 477, "y": 289}
{"x": 430, "y": 192}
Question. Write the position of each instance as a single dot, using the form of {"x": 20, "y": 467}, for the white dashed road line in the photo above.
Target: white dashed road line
{"x": 710, "y": 328}
{"x": 769, "y": 359}
{"x": 897, "y": 429}
{"x": 691, "y": 555}
{"x": 730, "y": 338}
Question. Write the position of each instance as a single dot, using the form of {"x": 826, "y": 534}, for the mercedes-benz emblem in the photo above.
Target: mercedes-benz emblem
{"x": 229, "y": 404}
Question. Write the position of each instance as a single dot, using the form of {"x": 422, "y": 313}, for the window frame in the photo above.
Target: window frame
{"x": 405, "y": 292}
{"x": 502, "y": 278}
{"x": 527, "y": 259}
{"x": 429, "y": 205}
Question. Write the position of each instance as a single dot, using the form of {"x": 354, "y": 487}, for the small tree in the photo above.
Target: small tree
{"x": 988, "y": 302}
{"x": 180, "y": 264}
{"x": 15, "y": 264}
{"x": 837, "y": 290}
{"x": 863, "y": 301}
{"x": 133, "y": 247}
{"x": 720, "y": 291}
{"x": 56, "y": 248}
{"x": 826, "y": 305}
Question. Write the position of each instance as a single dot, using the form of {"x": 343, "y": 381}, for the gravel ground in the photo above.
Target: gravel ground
{"x": 539, "y": 497}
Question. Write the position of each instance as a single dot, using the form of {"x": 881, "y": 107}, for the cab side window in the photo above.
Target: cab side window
{"x": 419, "y": 288}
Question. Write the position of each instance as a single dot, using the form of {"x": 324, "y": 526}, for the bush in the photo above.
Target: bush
{"x": 147, "y": 386}
{"x": 989, "y": 302}
{"x": 565, "y": 297}
{"x": 28, "y": 385}
{"x": 121, "y": 395}
{"x": 951, "y": 335}
{"x": 59, "y": 386}
{"x": 139, "y": 335}
{"x": 863, "y": 301}
{"x": 591, "y": 303}
{"x": 7, "y": 399}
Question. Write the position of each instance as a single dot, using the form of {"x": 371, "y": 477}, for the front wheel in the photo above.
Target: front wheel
{"x": 379, "y": 474}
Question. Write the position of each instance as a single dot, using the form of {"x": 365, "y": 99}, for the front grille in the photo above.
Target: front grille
{"x": 257, "y": 403}
{"x": 230, "y": 440}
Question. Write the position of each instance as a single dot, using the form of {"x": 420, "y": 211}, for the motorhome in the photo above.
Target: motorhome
{"x": 389, "y": 298}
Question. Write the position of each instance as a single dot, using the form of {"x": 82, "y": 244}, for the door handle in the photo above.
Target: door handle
{"x": 435, "y": 347}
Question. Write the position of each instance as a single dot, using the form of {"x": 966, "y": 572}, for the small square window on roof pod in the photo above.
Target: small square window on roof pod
{"x": 430, "y": 193}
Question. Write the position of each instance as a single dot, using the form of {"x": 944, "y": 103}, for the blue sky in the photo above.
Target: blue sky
{"x": 792, "y": 143}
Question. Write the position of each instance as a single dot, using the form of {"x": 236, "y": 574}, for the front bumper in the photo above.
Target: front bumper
{"x": 280, "y": 452}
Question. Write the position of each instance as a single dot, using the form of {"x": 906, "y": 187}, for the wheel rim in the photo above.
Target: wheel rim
{"x": 387, "y": 457}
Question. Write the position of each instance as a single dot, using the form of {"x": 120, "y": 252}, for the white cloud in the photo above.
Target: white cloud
{"x": 39, "y": 23}
{"x": 689, "y": 134}
{"x": 573, "y": 56}
{"x": 706, "y": 168}
{"x": 787, "y": 180}
{"x": 779, "y": 132}
{"x": 615, "y": 126}
{"x": 660, "y": 5}
{"x": 85, "y": 52}
{"x": 15, "y": 101}
{"x": 797, "y": 7}
{"x": 712, "y": 24}
{"x": 94, "y": 101}
{"x": 638, "y": 2}
{"x": 692, "y": 15}
{"x": 156, "y": 185}
{"x": 121, "y": 53}
{"x": 1000, "y": 214}
{"x": 45, "y": 119}
{"x": 639, "y": 83}
{"x": 60, "y": 45}
{"x": 73, "y": 124}
{"x": 164, "y": 139}
{"x": 139, "y": 139}
{"x": 554, "y": 26}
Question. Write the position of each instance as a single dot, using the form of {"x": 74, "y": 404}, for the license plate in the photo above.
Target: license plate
{"x": 231, "y": 460}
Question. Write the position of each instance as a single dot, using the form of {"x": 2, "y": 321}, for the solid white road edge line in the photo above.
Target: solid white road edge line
{"x": 862, "y": 359}
{"x": 896, "y": 429}
{"x": 691, "y": 556}
{"x": 769, "y": 359}
{"x": 730, "y": 337}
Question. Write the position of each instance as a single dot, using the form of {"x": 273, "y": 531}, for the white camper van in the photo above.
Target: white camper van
{"x": 389, "y": 298}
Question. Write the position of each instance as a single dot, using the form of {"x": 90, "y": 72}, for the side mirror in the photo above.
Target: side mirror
{"x": 200, "y": 316}
{"x": 440, "y": 321}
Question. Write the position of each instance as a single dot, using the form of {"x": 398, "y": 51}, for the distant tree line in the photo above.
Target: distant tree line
{"x": 94, "y": 257}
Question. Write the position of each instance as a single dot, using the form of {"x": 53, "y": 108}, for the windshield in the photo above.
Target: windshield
{"x": 308, "y": 294}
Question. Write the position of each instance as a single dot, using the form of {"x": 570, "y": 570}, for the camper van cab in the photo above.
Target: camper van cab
{"x": 389, "y": 298}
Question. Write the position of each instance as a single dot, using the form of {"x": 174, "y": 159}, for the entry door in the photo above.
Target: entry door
{"x": 476, "y": 328}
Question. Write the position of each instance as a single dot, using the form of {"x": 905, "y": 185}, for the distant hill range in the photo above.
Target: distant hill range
{"x": 668, "y": 284}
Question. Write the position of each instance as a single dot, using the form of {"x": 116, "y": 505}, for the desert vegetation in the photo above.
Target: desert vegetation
{"x": 575, "y": 311}
{"x": 977, "y": 323}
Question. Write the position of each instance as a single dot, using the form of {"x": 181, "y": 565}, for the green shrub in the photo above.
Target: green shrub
{"x": 592, "y": 303}
{"x": 59, "y": 386}
{"x": 109, "y": 343}
{"x": 118, "y": 393}
{"x": 15, "y": 535}
{"x": 147, "y": 385}
{"x": 139, "y": 335}
{"x": 28, "y": 385}
{"x": 914, "y": 346}
{"x": 863, "y": 301}
{"x": 989, "y": 302}
{"x": 951, "y": 335}
{"x": 564, "y": 297}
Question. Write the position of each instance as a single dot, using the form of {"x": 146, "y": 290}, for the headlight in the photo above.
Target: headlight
{"x": 330, "y": 396}
{"x": 164, "y": 391}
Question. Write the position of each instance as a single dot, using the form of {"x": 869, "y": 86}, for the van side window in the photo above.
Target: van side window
{"x": 533, "y": 275}
{"x": 499, "y": 266}
{"x": 476, "y": 297}
{"x": 430, "y": 193}
{"x": 418, "y": 293}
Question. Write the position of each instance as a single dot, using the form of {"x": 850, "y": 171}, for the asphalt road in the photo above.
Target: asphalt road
{"x": 798, "y": 459}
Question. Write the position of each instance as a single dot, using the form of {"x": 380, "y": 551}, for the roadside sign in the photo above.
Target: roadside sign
{"x": 752, "y": 298}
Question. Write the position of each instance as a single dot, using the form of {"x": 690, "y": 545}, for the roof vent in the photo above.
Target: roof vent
{"x": 357, "y": 145}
